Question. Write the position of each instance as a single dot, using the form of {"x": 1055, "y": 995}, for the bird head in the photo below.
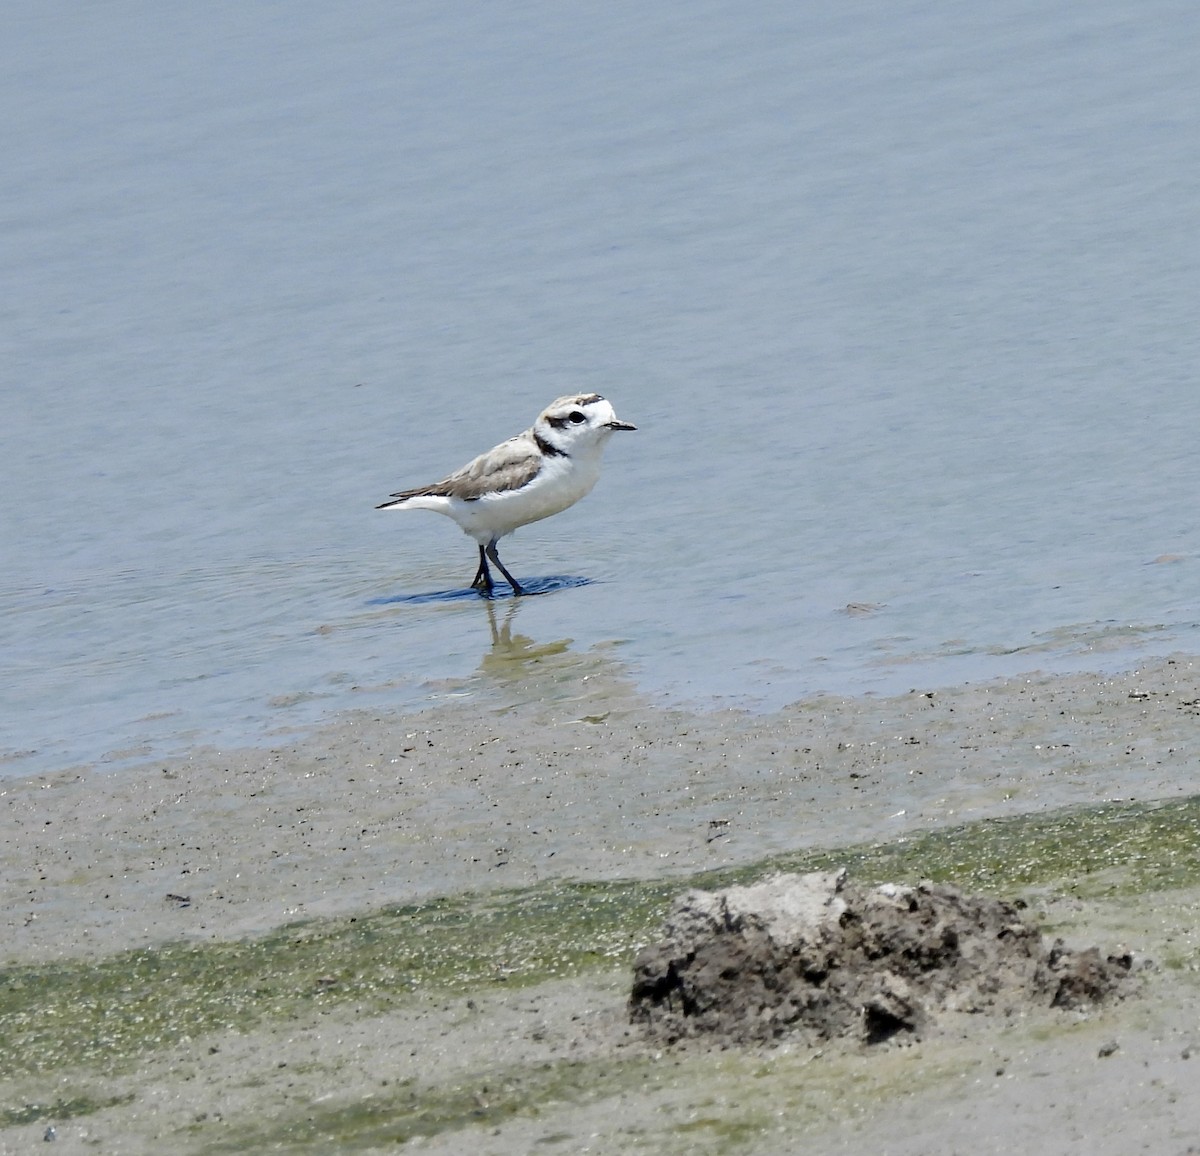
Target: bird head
{"x": 575, "y": 423}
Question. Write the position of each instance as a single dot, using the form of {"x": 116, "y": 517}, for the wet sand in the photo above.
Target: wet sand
{"x": 584, "y": 780}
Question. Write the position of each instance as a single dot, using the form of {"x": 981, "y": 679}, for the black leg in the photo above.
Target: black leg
{"x": 491, "y": 553}
{"x": 483, "y": 579}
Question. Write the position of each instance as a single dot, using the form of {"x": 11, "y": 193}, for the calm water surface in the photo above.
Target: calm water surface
{"x": 903, "y": 299}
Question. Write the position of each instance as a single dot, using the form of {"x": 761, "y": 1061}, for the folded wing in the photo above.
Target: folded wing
{"x": 511, "y": 465}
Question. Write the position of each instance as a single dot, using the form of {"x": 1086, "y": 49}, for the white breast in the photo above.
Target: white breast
{"x": 561, "y": 483}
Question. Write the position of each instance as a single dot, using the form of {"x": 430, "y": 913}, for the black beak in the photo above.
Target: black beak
{"x": 620, "y": 425}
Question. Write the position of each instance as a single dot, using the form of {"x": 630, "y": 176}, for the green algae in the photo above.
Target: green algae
{"x": 706, "y": 1102}
{"x": 487, "y": 1101}
{"x": 1102, "y": 851}
{"x": 115, "y": 1009}
{"x": 63, "y": 1108}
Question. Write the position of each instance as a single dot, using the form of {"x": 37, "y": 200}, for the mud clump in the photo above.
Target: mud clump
{"x": 814, "y": 957}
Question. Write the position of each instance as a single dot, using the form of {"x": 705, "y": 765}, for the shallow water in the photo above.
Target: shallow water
{"x": 903, "y": 304}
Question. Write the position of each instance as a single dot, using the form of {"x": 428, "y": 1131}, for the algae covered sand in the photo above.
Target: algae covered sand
{"x": 492, "y": 1016}
{"x": 507, "y": 1013}
{"x": 584, "y": 781}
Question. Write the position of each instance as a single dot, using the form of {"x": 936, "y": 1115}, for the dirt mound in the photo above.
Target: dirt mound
{"x": 817, "y": 956}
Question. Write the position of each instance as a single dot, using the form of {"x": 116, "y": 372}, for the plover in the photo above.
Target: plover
{"x": 529, "y": 477}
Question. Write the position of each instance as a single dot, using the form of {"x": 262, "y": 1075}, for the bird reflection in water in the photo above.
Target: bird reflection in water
{"x": 513, "y": 656}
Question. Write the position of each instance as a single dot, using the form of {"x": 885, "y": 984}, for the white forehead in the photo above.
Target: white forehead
{"x": 592, "y": 404}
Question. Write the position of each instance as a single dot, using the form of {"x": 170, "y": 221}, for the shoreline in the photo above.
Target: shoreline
{"x": 414, "y": 928}
{"x": 593, "y": 784}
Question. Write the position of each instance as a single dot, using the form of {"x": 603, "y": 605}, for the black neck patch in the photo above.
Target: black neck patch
{"x": 548, "y": 448}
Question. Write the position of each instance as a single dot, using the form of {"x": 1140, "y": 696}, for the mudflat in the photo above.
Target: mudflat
{"x": 421, "y": 928}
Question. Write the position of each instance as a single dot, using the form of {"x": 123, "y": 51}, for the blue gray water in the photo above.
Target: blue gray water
{"x": 903, "y": 299}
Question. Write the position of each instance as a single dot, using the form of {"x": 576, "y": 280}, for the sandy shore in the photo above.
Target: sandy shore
{"x": 583, "y": 780}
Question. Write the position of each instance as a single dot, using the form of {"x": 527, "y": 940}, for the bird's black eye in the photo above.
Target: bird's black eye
{"x": 577, "y": 417}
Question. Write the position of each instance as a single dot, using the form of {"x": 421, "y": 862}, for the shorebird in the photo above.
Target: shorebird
{"x": 540, "y": 472}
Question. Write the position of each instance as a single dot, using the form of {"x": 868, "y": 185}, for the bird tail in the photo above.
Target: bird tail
{"x": 422, "y": 499}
